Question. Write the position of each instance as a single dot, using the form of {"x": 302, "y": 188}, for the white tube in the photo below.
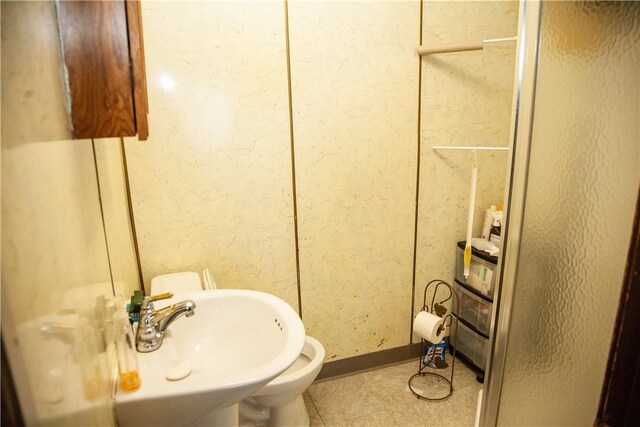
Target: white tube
{"x": 500, "y": 40}
{"x": 472, "y": 202}
{"x": 424, "y": 50}
{"x": 445, "y": 147}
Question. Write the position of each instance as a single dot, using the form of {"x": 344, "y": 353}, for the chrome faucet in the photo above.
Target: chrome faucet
{"x": 154, "y": 323}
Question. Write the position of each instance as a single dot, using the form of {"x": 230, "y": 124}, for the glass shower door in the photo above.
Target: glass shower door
{"x": 579, "y": 200}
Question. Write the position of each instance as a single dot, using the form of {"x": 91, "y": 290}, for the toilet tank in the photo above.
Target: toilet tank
{"x": 176, "y": 282}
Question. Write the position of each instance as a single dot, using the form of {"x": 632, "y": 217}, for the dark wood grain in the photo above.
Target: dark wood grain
{"x": 136, "y": 49}
{"x": 620, "y": 398}
{"x": 96, "y": 53}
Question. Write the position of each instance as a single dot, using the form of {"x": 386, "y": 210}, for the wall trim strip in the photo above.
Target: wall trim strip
{"x": 417, "y": 203}
{"x": 294, "y": 190}
{"x": 132, "y": 219}
{"x": 104, "y": 224}
{"x": 515, "y": 198}
{"x": 367, "y": 362}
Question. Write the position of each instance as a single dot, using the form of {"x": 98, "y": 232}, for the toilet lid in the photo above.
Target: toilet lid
{"x": 176, "y": 282}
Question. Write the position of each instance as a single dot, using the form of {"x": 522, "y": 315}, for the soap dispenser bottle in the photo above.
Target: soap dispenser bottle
{"x": 126, "y": 353}
{"x": 489, "y": 218}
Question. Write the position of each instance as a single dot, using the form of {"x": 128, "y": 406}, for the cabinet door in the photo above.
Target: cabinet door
{"x": 106, "y": 87}
{"x": 138, "y": 71}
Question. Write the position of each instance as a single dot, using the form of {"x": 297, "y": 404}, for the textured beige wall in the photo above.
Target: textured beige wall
{"x": 54, "y": 259}
{"x": 466, "y": 100}
{"x": 27, "y": 84}
{"x": 54, "y": 255}
{"x": 355, "y": 86}
{"x": 117, "y": 223}
{"x": 213, "y": 185}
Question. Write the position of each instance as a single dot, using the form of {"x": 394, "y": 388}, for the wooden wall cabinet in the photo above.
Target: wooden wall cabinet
{"x": 103, "y": 52}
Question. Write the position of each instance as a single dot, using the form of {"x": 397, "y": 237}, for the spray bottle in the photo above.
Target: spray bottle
{"x": 496, "y": 228}
{"x": 489, "y": 218}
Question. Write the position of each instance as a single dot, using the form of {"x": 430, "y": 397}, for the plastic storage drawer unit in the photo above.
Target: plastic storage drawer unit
{"x": 481, "y": 271}
{"x": 473, "y": 309}
{"x": 471, "y": 344}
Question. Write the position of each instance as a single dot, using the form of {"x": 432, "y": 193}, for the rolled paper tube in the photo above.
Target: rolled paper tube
{"x": 429, "y": 326}
{"x": 423, "y": 50}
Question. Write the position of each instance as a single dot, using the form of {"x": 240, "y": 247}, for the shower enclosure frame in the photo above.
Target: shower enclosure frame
{"x": 570, "y": 59}
{"x": 515, "y": 197}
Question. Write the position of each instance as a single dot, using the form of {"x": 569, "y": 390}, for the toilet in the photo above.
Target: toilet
{"x": 283, "y": 395}
{"x": 280, "y": 402}
{"x": 186, "y": 281}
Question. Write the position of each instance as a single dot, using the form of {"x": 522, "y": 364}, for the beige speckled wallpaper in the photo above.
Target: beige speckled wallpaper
{"x": 213, "y": 186}
{"x": 117, "y": 221}
{"x": 466, "y": 100}
{"x": 355, "y": 86}
{"x": 54, "y": 267}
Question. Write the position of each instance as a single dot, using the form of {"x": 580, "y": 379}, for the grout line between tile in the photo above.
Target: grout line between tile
{"x": 316, "y": 408}
{"x": 464, "y": 386}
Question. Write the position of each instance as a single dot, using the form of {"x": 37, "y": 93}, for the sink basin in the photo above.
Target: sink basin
{"x": 237, "y": 342}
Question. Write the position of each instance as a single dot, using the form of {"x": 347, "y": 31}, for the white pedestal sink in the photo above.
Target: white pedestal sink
{"x": 237, "y": 342}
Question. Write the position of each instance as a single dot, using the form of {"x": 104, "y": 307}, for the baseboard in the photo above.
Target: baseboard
{"x": 369, "y": 361}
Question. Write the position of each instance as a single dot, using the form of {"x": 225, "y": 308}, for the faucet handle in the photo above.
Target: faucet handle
{"x": 159, "y": 297}
{"x": 148, "y": 300}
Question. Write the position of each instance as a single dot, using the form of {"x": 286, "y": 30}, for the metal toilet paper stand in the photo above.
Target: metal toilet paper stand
{"x": 442, "y": 293}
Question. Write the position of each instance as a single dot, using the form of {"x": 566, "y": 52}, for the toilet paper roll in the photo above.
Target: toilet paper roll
{"x": 429, "y": 326}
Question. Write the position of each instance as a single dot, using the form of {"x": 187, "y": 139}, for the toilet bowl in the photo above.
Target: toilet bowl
{"x": 280, "y": 402}
{"x": 283, "y": 395}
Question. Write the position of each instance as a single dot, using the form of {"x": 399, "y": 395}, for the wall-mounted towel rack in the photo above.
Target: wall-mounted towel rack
{"x": 449, "y": 147}
{"x": 422, "y": 50}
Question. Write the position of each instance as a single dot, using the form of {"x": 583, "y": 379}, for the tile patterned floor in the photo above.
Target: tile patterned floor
{"x": 382, "y": 398}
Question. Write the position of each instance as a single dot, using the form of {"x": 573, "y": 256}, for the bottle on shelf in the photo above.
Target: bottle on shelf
{"x": 126, "y": 352}
{"x": 489, "y": 218}
{"x": 494, "y": 234}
